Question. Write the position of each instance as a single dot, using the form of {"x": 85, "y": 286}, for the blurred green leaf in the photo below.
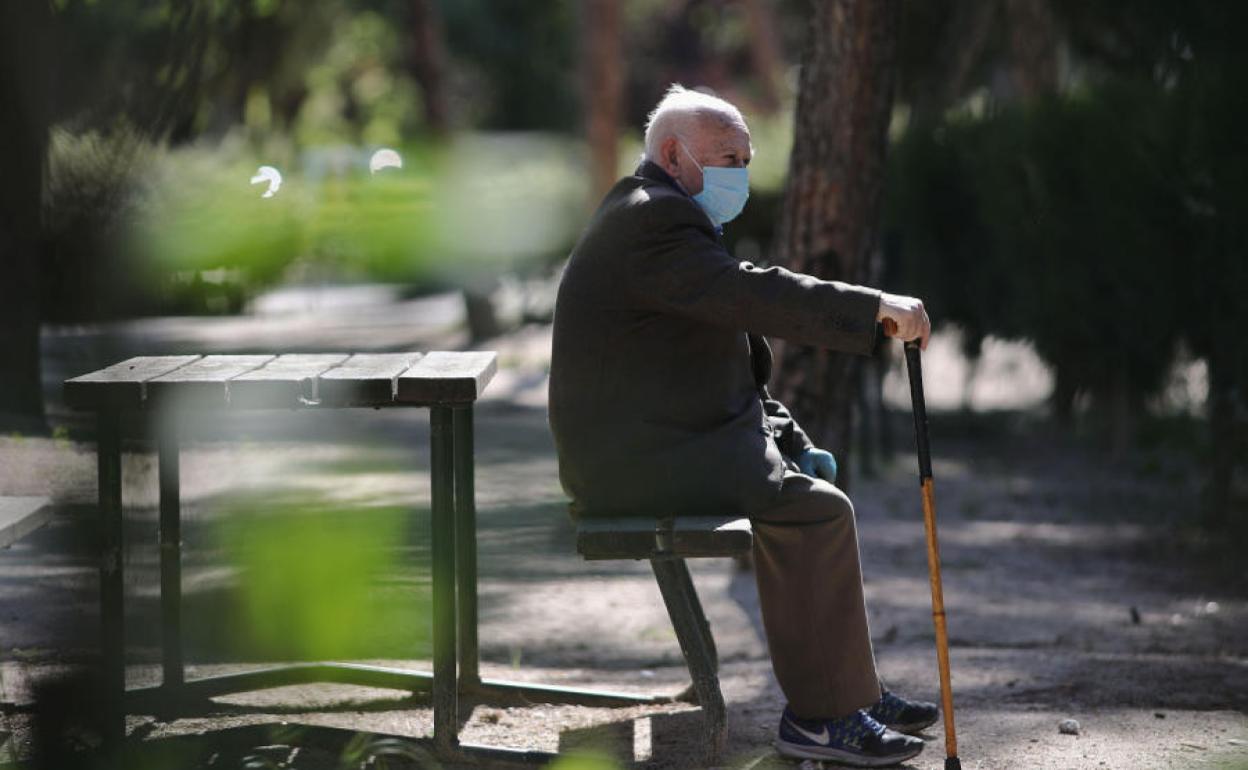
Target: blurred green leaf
{"x": 309, "y": 579}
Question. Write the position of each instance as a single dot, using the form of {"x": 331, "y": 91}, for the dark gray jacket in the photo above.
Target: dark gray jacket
{"x": 659, "y": 367}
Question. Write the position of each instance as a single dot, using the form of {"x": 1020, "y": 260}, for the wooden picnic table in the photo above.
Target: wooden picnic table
{"x": 447, "y": 383}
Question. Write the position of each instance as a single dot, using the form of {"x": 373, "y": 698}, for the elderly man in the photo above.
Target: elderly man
{"x": 659, "y": 405}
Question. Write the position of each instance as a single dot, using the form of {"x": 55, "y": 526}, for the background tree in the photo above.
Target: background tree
{"x": 765, "y": 56}
{"x": 427, "y": 62}
{"x": 25, "y": 91}
{"x": 602, "y": 66}
{"x": 830, "y": 224}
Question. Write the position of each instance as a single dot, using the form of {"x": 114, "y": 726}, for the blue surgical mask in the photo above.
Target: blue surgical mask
{"x": 724, "y": 190}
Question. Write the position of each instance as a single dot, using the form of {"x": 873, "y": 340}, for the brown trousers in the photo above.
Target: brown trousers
{"x": 810, "y": 588}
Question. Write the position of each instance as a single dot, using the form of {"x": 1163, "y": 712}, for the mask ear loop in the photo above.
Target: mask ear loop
{"x": 701, "y": 170}
{"x": 695, "y": 160}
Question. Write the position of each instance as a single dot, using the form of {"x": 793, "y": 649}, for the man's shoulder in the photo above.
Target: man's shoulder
{"x": 645, "y": 205}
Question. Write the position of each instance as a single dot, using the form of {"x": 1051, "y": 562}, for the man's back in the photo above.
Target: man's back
{"x": 653, "y": 402}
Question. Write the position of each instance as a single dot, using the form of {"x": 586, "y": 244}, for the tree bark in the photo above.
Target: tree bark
{"x": 603, "y": 82}
{"x": 426, "y": 60}
{"x": 24, "y": 90}
{"x": 1228, "y": 444}
{"x": 1033, "y": 48}
{"x": 830, "y": 223}
{"x": 765, "y": 53}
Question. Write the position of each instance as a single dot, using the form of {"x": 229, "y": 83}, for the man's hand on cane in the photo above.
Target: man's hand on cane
{"x": 905, "y": 318}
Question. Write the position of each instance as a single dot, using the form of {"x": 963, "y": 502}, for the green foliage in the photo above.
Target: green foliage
{"x": 1058, "y": 222}
{"x": 1108, "y": 225}
{"x": 200, "y": 214}
{"x": 356, "y": 88}
{"x": 506, "y": 200}
{"x": 460, "y": 212}
{"x": 584, "y": 761}
{"x": 518, "y": 61}
{"x": 309, "y": 578}
{"x": 91, "y": 191}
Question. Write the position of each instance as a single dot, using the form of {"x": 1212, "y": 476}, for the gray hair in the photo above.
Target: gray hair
{"x": 680, "y": 113}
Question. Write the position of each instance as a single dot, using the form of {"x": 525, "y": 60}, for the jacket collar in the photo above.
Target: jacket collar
{"x": 655, "y": 173}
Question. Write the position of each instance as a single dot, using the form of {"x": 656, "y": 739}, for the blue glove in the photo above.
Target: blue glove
{"x": 818, "y": 463}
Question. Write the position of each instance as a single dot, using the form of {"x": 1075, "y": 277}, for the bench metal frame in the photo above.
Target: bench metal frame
{"x": 666, "y": 543}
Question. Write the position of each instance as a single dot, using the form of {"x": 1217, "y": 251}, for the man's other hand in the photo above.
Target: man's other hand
{"x": 905, "y": 318}
{"x": 818, "y": 463}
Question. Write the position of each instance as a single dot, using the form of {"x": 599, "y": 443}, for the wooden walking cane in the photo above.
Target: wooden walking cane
{"x": 915, "y": 369}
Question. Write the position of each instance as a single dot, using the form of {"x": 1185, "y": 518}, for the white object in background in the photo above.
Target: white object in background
{"x": 384, "y": 158}
{"x": 270, "y": 175}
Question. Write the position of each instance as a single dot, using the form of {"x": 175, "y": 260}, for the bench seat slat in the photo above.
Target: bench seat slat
{"x": 646, "y": 538}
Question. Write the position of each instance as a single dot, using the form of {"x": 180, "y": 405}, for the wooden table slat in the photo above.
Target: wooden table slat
{"x": 203, "y": 383}
{"x": 122, "y": 384}
{"x": 364, "y": 379}
{"x": 444, "y": 377}
{"x": 285, "y": 382}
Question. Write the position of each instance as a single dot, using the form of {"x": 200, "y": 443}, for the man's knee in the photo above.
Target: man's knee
{"x": 806, "y": 500}
{"x": 834, "y": 503}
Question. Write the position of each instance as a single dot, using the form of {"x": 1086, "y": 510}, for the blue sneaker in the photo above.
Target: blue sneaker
{"x": 856, "y": 740}
{"x": 904, "y": 715}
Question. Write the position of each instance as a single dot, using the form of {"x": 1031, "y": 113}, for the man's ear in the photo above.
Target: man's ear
{"x": 669, "y": 151}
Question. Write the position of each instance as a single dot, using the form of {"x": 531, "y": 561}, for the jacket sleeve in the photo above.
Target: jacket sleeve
{"x": 679, "y": 266}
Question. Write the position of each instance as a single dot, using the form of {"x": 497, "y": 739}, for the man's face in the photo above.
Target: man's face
{"x": 713, "y": 144}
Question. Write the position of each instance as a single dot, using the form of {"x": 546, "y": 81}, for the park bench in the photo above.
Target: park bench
{"x": 666, "y": 543}
{"x": 19, "y": 516}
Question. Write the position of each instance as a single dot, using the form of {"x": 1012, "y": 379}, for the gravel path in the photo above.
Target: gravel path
{"x": 1073, "y": 589}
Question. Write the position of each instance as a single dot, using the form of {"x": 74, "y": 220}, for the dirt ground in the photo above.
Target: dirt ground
{"x": 1074, "y": 587}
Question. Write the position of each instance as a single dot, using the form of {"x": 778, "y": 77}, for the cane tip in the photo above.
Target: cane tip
{"x": 953, "y": 763}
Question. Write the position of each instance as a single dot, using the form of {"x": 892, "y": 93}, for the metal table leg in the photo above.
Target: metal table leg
{"x": 445, "y": 695}
{"x": 112, "y": 622}
{"x": 170, "y": 554}
{"x": 466, "y": 550}
{"x": 470, "y": 681}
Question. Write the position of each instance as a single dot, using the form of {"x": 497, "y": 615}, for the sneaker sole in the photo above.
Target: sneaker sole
{"x": 798, "y": 751}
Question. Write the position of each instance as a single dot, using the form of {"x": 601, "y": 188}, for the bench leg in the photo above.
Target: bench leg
{"x": 170, "y": 554}
{"x": 112, "y": 624}
{"x": 694, "y": 634}
{"x": 445, "y": 690}
{"x": 466, "y": 550}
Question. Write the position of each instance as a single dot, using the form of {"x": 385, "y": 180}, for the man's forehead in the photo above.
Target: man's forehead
{"x": 721, "y": 137}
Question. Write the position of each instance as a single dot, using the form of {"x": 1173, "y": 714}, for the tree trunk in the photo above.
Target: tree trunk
{"x": 765, "y": 53}
{"x": 1228, "y": 424}
{"x": 1033, "y": 48}
{"x": 830, "y": 223}
{"x": 426, "y": 61}
{"x": 602, "y": 66}
{"x": 24, "y": 89}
